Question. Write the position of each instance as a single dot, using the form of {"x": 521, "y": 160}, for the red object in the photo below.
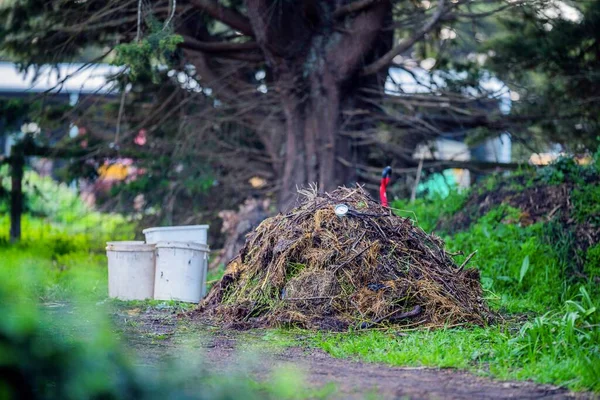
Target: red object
{"x": 385, "y": 180}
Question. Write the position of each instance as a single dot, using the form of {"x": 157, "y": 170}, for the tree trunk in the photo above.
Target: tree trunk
{"x": 314, "y": 137}
{"x": 311, "y": 137}
{"x": 316, "y": 61}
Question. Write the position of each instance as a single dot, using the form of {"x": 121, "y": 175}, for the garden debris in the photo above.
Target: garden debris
{"x": 236, "y": 225}
{"x": 369, "y": 268}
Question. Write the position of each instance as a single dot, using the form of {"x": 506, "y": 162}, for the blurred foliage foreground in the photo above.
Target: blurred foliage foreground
{"x": 57, "y": 340}
{"x": 535, "y": 272}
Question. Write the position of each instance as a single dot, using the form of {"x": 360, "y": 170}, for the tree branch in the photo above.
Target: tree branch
{"x": 373, "y": 174}
{"x": 353, "y": 7}
{"x": 235, "y": 51}
{"x": 218, "y": 47}
{"x": 249, "y": 58}
{"x": 226, "y": 15}
{"x": 406, "y": 44}
{"x": 476, "y": 15}
{"x": 347, "y": 54}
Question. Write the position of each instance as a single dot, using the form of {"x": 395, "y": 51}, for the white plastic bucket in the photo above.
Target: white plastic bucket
{"x": 184, "y": 233}
{"x": 130, "y": 270}
{"x": 180, "y": 271}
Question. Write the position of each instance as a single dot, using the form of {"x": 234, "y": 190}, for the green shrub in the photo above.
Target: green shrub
{"x": 566, "y": 169}
{"x": 56, "y": 213}
{"x": 586, "y": 204}
{"x": 45, "y": 197}
{"x": 592, "y": 262}
{"x": 515, "y": 263}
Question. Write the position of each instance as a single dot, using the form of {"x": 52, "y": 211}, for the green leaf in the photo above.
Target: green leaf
{"x": 524, "y": 269}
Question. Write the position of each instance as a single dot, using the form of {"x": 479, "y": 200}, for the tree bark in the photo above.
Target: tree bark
{"x": 316, "y": 63}
{"x": 312, "y": 123}
{"x": 297, "y": 163}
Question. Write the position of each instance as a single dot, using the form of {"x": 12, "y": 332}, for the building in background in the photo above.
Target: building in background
{"x": 75, "y": 84}
{"x": 451, "y": 146}
{"x": 61, "y": 83}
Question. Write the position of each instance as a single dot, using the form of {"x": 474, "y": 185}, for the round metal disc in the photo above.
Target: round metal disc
{"x": 341, "y": 210}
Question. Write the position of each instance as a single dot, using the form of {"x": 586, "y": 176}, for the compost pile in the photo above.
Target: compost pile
{"x": 370, "y": 268}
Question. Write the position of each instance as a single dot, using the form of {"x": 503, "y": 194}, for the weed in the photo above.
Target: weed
{"x": 592, "y": 262}
{"x": 586, "y": 204}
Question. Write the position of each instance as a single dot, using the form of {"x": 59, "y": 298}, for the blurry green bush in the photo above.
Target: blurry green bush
{"x": 72, "y": 352}
{"x": 56, "y": 216}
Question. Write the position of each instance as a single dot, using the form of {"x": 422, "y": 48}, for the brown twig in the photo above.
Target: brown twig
{"x": 466, "y": 260}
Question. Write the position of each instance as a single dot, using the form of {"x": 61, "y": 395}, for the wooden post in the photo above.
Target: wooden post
{"x": 17, "y": 164}
{"x": 413, "y": 194}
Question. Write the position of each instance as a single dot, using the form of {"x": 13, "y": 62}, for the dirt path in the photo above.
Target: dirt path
{"x": 223, "y": 350}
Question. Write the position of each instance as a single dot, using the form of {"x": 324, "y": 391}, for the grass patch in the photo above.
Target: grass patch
{"x": 561, "y": 347}
{"x": 552, "y": 332}
{"x": 171, "y": 305}
{"x": 504, "y": 351}
{"x": 521, "y": 271}
{"x": 53, "y": 277}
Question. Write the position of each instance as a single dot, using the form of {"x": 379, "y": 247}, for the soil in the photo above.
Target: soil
{"x": 158, "y": 336}
{"x": 539, "y": 203}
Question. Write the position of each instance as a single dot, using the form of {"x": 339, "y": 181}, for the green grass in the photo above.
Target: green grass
{"x": 427, "y": 212}
{"x": 55, "y": 277}
{"x": 552, "y": 328}
{"x": 516, "y": 264}
{"x": 74, "y": 351}
{"x": 63, "y": 253}
{"x": 559, "y": 348}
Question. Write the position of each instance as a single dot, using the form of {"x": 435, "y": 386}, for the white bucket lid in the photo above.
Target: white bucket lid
{"x": 175, "y": 228}
{"x": 183, "y": 245}
{"x": 129, "y": 245}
